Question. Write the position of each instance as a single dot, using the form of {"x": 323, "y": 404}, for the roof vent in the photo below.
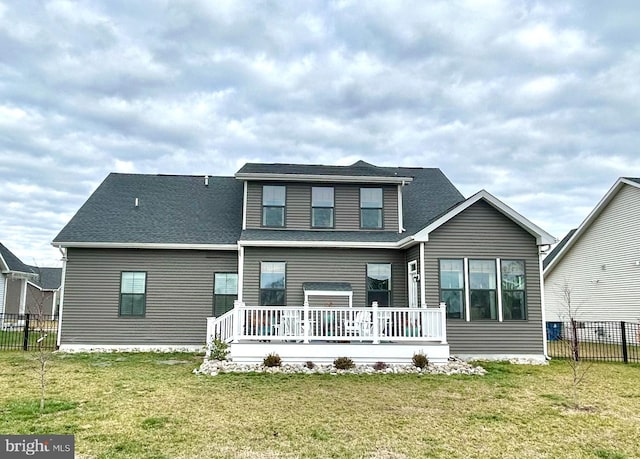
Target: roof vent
{"x": 206, "y": 180}
{"x": 136, "y": 203}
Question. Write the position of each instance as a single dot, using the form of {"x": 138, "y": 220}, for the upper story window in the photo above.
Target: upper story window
{"x": 513, "y": 290}
{"x": 371, "y": 208}
{"x": 482, "y": 289}
{"x": 322, "y": 206}
{"x": 274, "y": 198}
{"x": 133, "y": 296}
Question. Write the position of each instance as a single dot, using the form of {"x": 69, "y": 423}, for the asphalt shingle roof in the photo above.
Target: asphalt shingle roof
{"x": 633, "y": 179}
{"x": 182, "y": 210}
{"x": 556, "y": 250}
{"x": 48, "y": 278}
{"x": 357, "y": 169}
{"x": 13, "y": 262}
{"x": 172, "y": 209}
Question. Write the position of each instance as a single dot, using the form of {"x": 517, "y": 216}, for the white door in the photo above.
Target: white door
{"x": 412, "y": 280}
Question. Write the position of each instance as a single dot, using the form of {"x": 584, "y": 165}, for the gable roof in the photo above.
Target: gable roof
{"x": 551, "y": 255}
{"x": 359, "y": 171}
{"x": 48, "y": 278}
{"x": 11, "y": 263}
{"x": 171, "y": 209}
{"x": 542, "y": 237}
{"x": 574, "y": 236}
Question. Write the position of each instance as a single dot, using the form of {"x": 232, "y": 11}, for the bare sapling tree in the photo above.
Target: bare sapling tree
{"x": 41, "y": 324}
{"x": 579, "y": 367}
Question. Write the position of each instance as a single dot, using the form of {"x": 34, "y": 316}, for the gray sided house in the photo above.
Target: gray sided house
{"x": 598, "y": 263}
{"x": 27, "y": 289}
{"x": 360, "y": 258}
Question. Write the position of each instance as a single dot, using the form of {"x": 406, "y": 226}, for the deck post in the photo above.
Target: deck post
{"x": 443, "y": 322}
{"x": 237, "y": 326}
{"x": 307, "y": 322}
{"x": 376, "y": 323}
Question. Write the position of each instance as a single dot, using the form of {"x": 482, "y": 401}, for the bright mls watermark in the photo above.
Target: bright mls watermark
{"x": 37, "y": 446}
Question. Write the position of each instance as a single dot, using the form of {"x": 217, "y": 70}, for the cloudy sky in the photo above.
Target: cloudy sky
{"x": 536, "y": 102}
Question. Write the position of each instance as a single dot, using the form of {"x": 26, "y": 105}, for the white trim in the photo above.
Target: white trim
{"x": 499, "y": 289}
{"x": 321, "y": 178}
{"x": 4, "y": 267}
{"x": 23, "y": 296}
{"x": 423, "y": 286}
{"x": 597, "y": 210}
{"x": 400, "y": 219}
{"x": 130, "y": 348}
{"x": 542, "y": 237}
{"x": 62, "y": 282}
{"x": 144, "y": 245}
{"x": 411, "y": 282}
{"x": 240, "y": 271}
{"x": 53, "y": 303}
{"x": 4, "y": 293}
{"x": 542, "y": 305}
{"x": 467, "y": 290}
{"x": 245, "y": 195}
{"x": 342, "y": 244}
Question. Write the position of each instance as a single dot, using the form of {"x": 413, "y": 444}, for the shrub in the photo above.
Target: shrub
{"x": 219, "y": 350}
{"x": 379, "y": 366}
{"x": 343, "y": 363}
{"x": 310, "y": 365}
{"x": 420, "y": 360}
{"x": 272, "y": 360}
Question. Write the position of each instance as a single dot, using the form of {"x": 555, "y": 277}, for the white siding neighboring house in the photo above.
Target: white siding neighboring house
{"x": 599, "y": 262}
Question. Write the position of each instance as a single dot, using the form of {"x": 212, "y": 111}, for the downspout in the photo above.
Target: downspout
{"x": 62, "y": 288}
{"x": 545, "y": 344}
{"x": 23, "y": 296}
{"x": 423, "y": 288}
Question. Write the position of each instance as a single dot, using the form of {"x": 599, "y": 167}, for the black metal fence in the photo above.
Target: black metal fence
{"x": 27, "y": 332}
{"x": 605, "y": 341}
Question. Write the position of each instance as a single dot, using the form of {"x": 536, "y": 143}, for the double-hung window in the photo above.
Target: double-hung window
{"x": 273, "y": 205}
{"x": 322, "y": 207}
{"x": 133, "y": 293}
{"x": 482, "y": 290}
{"x": 272, "y": 283}
{"x": 513, "y": 290}
{"x": 379, "y": 283}
{"x": 371, "y": 208}
{"x": 225, "y": 292}
{"x": 452, "y": 287}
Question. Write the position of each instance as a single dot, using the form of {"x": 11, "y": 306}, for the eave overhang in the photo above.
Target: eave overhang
{"x": 143, "y": 245}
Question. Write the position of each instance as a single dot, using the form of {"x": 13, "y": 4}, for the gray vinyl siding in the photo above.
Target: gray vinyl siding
{"x": 482, "y": 232}
{"x": 414, "y": 254}
{"x": 600, "y": 268}
{"x": 324, "y": 265}
{"x": 39, "y": 301}
{"x": 13, "y": 296}
{"x": 2, "y": 291}
{"x": 298, "y": 206}
{"x": 179, "y": 296}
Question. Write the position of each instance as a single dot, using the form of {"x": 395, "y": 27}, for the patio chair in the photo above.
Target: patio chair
{"x": 360, "y": 325}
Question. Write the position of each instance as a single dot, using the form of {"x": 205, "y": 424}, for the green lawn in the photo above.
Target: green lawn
{"x": 150, "y": 406}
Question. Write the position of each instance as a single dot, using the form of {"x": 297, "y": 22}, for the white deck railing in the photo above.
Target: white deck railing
{"x": 309, "y": 323}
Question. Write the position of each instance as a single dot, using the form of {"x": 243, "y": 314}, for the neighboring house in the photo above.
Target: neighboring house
{"x": 319, "y": 261}
{"x": 27, "y": 289}
{"x": 599, "y": 262}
